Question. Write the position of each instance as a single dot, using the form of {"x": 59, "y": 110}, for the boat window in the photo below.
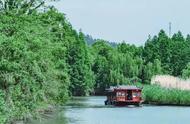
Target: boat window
{"x": 139, "y": 94}
{"x": 136, "y": 94}
{"x": 123, "y": 94}
{"x": 120, "y": 93}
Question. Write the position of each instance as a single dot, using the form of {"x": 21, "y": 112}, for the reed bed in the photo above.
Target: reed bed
{"x": 168, "y": 81}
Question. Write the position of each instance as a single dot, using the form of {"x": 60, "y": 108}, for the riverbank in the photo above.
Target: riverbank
{"x": 38, "y": 114}
{"x": 91, "y": 110}
{"x": 48, "y": 115}
{"x": 152, "y": 95}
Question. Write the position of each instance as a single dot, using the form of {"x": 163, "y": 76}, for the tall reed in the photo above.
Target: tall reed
{"x": 168, "y": 81}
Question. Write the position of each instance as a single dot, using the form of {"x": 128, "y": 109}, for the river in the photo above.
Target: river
{"x": 91, "y": 110}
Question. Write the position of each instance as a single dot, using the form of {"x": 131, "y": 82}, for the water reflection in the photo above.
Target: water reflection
{"x": 93, "y": 111}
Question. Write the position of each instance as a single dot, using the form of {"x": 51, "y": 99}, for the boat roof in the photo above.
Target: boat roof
{"x": 123, "y": 87}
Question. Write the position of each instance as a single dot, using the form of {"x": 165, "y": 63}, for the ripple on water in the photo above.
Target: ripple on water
{"x": 93, "y": 111}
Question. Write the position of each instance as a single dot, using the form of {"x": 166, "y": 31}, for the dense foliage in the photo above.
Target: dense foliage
{"x": 21, "y": 6}
{"x": 173, "y": 53}
{"x": 186, "y": 72}
{"x": 44, "y": 60}
{"x": 90, "y": 40}
{"x": 40, "y": 56}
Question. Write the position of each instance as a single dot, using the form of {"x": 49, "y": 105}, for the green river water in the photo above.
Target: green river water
{"x": 91, "y": 110}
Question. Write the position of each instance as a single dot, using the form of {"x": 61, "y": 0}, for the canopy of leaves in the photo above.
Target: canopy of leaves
{"x": 44, "y": 60}
{"x": 41, "y": 56}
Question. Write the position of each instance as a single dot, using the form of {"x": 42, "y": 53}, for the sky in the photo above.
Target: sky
{"x": 131, "y": 21}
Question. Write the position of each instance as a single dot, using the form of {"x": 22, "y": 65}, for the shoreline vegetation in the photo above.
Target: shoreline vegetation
{"x": 168, "y": 81}
{"x": 167, "y": 90}
{"x": 156, "y": 95}
{"x": 44, "y": 61}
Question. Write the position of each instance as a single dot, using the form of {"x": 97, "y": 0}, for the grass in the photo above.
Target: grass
{"x": 155, "y": 94}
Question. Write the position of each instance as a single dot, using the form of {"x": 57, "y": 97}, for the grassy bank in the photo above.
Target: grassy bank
{"x": 154, "y": 94}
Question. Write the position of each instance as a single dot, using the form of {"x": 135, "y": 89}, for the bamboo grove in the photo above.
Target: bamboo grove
{"x": 43, "y": 61}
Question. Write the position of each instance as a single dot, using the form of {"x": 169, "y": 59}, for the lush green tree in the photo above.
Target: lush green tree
{"x": 3, "y": 109}
{"x": 101, "y": 65}
{"x": 130, "y": 49}
{"x": 33, "y": 67}
{"x": 21, "y": 6}
{"x": 150, "y": 70}
{"x": 174, "y": 53}
{"x": 179, "y": 54}
{"x": 81, "y": 76}
{"x": 116, "y": 66}
{"x": 186, "y": 72}
{"x": 151, "y": 50}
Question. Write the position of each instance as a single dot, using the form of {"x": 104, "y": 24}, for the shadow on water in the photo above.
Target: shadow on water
{"x": 58, "y": 115}
{"x": 91, "y": 110}
{"x": 55, "y": 117}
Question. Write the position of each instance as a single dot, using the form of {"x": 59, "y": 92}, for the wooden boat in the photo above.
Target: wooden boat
{"x": 123, "y": 95}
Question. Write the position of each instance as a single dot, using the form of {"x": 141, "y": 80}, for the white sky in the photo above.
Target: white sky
{"x": 126, "y": 20}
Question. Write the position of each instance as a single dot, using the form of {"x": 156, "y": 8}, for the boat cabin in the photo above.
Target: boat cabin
{"x": 124, "y": 95}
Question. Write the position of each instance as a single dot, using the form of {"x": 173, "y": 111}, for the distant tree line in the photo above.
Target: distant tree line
{"x": 44, "y": 60}
{"x": 90, "y": 40}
